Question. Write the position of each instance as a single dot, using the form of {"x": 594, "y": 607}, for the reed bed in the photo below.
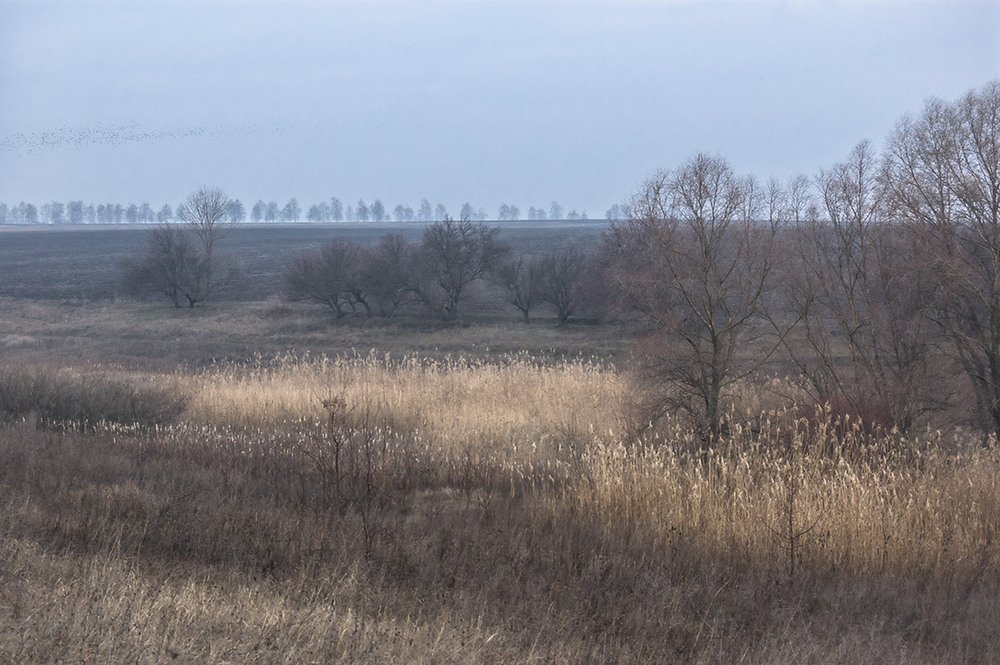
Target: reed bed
{"x": 934, "y": 514}
{"x": 377, "y": 509}
{"x": 458, "y": 403}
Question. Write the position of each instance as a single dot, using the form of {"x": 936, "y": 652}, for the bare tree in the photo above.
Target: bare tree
{"x": 425, "y": 213}
{"x": 863, "y": 335}
{"x": 457, "y": 254}
{"x": 561, "y": 270}
{"x": 943, "y": 170}
{"x": 292, "y": 211}
{"x": 206, "y": 213}
{"x": 181, "y": 262}
{"x": 332, "y": 275}
{"x": 801, "y": 205}
{"x": 521, "y": 278}
{"x": 694, "y": 263}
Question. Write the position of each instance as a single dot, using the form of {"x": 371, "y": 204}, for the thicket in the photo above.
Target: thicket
{"x": 70, "y": 399}
{"x": 437, "y": 274}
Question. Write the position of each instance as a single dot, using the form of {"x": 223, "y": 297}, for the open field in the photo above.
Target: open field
{"x": 247, "y": 483}
{"x": 154, "y": 336}
{"x": 79, "y": 262}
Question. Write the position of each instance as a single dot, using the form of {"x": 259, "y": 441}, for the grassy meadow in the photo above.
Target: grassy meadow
{"x": 251, "y": 482}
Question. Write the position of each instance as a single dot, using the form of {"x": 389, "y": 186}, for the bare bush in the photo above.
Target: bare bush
{"x": 334, "y": 276}
{"x": 389, "y": 273}
{"x": 63, "y": 399}
{"x": 456, "y": 254}
{"x": 168, "y": 266}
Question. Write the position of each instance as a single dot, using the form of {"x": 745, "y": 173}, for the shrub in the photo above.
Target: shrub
{"x": 59, "y": 399}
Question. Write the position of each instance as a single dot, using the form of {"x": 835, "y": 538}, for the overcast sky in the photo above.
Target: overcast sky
{"x": 513, "y": 101}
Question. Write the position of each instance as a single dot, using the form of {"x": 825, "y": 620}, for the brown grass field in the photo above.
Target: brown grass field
{"x": 248, "y": 483}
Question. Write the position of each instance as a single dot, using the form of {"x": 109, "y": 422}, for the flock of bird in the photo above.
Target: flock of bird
{"x": 20, "y": 143}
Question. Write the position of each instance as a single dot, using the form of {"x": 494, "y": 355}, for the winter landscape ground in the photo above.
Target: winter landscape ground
{"x": 251, "y": 481}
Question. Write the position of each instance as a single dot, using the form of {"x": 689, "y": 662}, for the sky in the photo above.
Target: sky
{"x": 480, "y": 101}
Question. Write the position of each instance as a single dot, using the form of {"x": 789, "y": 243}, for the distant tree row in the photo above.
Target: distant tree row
{"x": 334, "y": 211}
{"x": 78, "y": 212}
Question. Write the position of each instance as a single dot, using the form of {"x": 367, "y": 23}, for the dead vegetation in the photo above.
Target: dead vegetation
{"x": 486, "y": 510}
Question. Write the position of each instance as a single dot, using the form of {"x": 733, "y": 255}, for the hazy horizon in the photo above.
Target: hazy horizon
{"x": 457, "y": 101}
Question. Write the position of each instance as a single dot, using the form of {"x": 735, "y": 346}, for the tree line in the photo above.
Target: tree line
{"x": 77, "y": 212}
{"x": 876, "y": 283}
{"x": 333, "y": 210}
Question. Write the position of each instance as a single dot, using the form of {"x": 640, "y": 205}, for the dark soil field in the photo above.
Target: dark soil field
{"x": 81, "y": 263}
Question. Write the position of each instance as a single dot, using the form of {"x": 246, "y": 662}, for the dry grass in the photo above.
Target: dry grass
{"x": 514, "y": 402}
{"x": 154, "y": 337}
{"x": 486, "y": 511}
